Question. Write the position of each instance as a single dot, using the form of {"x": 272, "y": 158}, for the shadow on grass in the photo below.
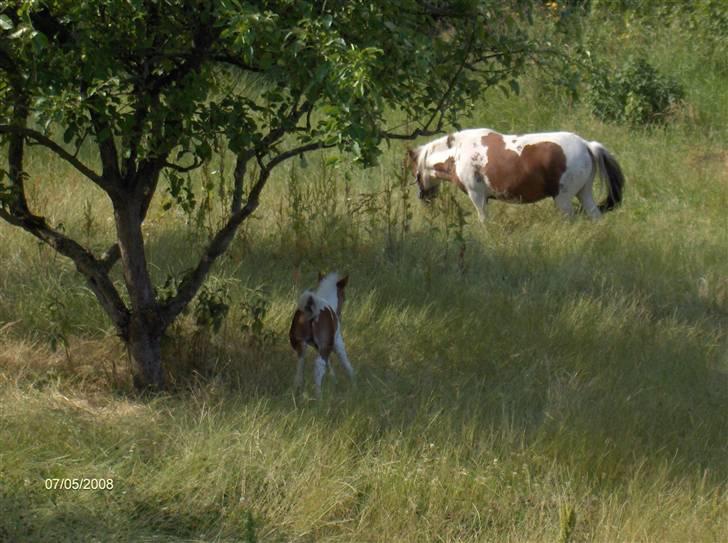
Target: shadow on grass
{"x": 598, "y": 358}
{"x": 591, "y": 356}
{"x": 29, "y": 518}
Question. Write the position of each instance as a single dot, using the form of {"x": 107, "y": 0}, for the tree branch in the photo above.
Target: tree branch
{"x": 241, "y": 165}
{"x": 412, "y": 135}
{"x": 183, "y": 169}
{"x": 193, "y": 281}
{"x": 439, "y": 108}
{"x": 107, "y": 146}
{"x": 57, "y": 149}
{"x": 95, "y": 271}
{"x": 297, "y": 151}
{"x": 204, "y": 37}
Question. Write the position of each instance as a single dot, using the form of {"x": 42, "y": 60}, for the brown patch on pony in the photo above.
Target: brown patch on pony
{"x": 300, "y": 331}
{"x": 528, "y": 177}
{"x": 447, "y": 170}
{"x": 319, "y": 332}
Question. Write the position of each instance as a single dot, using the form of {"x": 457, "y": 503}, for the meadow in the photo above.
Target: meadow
{"x": 527, "y": 379}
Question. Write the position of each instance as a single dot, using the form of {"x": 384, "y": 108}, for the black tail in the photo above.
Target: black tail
{"x": 612, "y": 175}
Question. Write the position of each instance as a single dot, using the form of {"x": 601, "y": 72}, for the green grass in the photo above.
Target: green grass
{"x": 562, "y": 381}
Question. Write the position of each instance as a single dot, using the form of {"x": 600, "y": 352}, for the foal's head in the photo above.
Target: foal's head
{"x": 426, "y": 183}
{"x": 340, "y": 288}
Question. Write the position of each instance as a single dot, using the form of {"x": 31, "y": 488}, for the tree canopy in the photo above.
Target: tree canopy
{"x": 151, "y": 86}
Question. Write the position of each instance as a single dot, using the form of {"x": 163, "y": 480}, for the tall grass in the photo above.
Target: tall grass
{"x": 530, "y": 379}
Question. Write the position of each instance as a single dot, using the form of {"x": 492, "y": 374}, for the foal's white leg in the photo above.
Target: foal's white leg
{"x": 586, "y": 197}
{"x": 319, "y": 370}
{"x": 341, "y": 352}
{"x": 477, "y": 195}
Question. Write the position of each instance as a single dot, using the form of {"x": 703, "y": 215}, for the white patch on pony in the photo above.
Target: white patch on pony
{"x": 340, "y": 349}
{"x": 327, "y": 290}
{"x": 311, "y": 304}
{"x": 319, "y": 370}
{"x": 325, "y": 295}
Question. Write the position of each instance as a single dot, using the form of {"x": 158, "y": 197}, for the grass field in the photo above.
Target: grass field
{"x": 530, "y": 379}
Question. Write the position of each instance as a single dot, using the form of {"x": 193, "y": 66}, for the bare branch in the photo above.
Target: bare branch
{"x": 193, "y": 281}
{"x": 57, "y": 149}
{"x": 412, "y": 135}
{"x": 219, "y": 244}
{"x": 183, "y": 169}
{"x": 95, "y": 271}
{"x": 241, "y": 165}
{"x": 297, "y": 151}
{"x": 439, "y": 109}
{"x": 107, "y": 146}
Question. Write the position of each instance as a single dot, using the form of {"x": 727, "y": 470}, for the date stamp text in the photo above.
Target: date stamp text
{"x": 83, "y": 483}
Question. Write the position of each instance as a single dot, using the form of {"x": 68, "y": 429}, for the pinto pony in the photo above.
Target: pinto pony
{"x": 317, "y": 322}
{"x": 521, "y": 169}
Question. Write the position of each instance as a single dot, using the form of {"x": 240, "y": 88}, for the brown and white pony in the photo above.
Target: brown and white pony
{"x": 521, "y": 169}
{"x": 317, "y": 322}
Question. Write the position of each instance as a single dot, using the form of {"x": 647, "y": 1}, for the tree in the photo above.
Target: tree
{"x": 149, "y": 85}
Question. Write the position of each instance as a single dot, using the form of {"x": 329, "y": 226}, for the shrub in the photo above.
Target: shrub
{"x": 636, "y": 93}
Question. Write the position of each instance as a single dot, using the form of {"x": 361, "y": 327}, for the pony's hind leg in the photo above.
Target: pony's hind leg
{"x": 586, "y": 197}
{"x": 563, "y": 202}
{"x": 319, "y": 370}
{"x": 341, "y": 352}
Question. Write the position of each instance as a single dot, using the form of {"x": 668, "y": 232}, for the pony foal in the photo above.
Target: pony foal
{"x": 317, "y": 322}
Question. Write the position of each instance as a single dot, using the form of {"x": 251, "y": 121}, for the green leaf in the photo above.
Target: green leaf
{"x": 6, "y": 22}
{"x": 40, "y": 42}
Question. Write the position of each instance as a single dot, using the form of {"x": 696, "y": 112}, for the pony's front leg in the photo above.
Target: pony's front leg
{"x": 477, "y": 196}
{"x": 341, "y": 353}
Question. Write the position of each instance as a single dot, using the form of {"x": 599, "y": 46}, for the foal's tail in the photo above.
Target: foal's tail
{"x": 611, "y": 174}
{"x": 310, "y": 305}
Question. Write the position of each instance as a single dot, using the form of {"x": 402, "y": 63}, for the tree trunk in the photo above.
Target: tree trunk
{"x": 145, "y": 325}
{"x": 144, "y": 344}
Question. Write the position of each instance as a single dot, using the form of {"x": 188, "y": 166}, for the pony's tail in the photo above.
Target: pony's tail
{"x": 308, "y": 304}
{"x": 611, "y": 174}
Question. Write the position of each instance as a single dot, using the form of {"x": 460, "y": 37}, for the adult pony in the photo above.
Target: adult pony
{"x": 521, "y": 169}
{"x": 317, "y": 322}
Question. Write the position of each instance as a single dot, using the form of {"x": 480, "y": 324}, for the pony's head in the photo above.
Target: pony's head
{"x": 427, "y": 184}
{"x": 340, "y": 287}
